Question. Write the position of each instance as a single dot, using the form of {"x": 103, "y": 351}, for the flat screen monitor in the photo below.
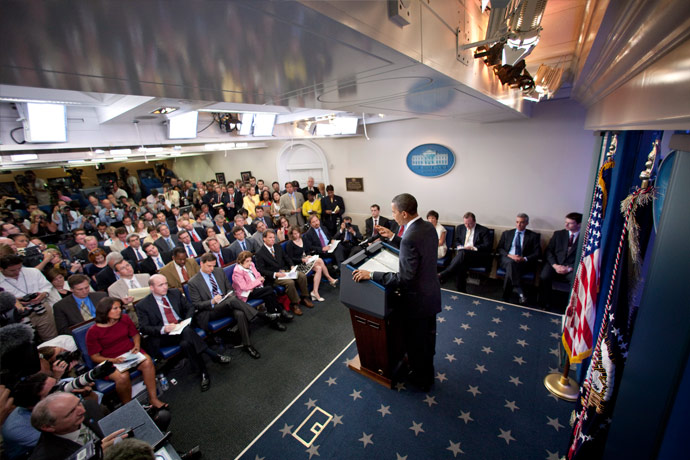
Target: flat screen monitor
{"x": 44, "y": 122}
{"x": 183, "y": 126}
{"x": 263, "y": 124}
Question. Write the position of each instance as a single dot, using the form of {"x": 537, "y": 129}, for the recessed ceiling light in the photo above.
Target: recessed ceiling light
{"x": 24, "y": 157}
{"x": 164, "y": 110}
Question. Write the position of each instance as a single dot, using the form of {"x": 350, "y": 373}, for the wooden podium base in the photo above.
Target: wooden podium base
{"x": 356, "y": 366}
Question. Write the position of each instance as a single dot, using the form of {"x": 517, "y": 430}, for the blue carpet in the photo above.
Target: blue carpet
{"x": 488, "y": 400}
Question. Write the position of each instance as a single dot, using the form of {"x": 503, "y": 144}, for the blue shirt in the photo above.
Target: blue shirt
{"x": 207, "y": 278}
{"x": 522, "y": 241}
{"x": 89, "y": 304}
{"x": 19, "y": 437}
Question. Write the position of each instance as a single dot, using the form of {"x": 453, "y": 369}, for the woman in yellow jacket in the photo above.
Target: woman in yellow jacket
{"x": 311, "y": 206}
{"x": 250, "y": 202}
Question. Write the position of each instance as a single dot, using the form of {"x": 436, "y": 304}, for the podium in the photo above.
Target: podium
{"x": 378, "y": 332}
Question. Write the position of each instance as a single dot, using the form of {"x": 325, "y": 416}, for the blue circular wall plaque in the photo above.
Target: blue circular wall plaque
{"x": 430, "y": 160}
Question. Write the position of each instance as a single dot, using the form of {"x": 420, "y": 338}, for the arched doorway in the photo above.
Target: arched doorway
{"x": 301, "y": 159}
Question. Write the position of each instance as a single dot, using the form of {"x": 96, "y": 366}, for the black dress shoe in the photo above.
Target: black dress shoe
{"x": 286, "y": 316}
{"x": 278, "y": 326}
{"x": 272, "y": 316}
{"x": 252, "y": 351}
{"x": 205, "y": 382}
{"x": 223, "y": 359}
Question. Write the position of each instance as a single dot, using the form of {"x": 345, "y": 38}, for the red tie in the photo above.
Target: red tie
{"x": 169, "y": 315}
{"x": 196, "y": 238}
{"x": 185, "y": 275}
{"x": 220, "y": 259}
{"x": 401, "y": 231}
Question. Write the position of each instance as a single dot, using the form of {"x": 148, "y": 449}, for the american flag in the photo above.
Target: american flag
{"x": 579, "y": 316}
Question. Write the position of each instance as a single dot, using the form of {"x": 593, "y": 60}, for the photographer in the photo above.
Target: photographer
{"x": 65, "y": 218}
{"x": 110, "y": 214}
{"x": 348, "y": 235}
{"x": 30, "y": 288}
{"x": 163, "y": 204}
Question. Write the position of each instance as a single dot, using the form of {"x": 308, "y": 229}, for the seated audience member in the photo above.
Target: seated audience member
{"x": 211, "y": 233}
{"x": 107, "y": 275}
{"x": 90, "y": 243}
{"x": 101, "y": 234}
{"x": 203, "y": 221}
{"x": 241, "y": 222}
{"x": 133, "y": 252}
{"x": 196, "y": 234}
{"x": 249, "y": 285}
{"x": 155, "y": 260}
{"x": 222, "y": 226}
{"x": 473, "y": 244}
{"x": 432, "y": 216}
{"x": 207, "y": 291}
{"x": 291, "y": 205}
{"x": 97, "y": 262}
{"x": 297, "y": 255}
{"x": 79, "y": 236}
{"x": 180, "y": 270}
{"x": 167, "y": 241}
{"x": 348, "y": 235}
{"x": 375, "y": 220}
{"x": 283, "y": 230}
{"x": 159, "y": 314}
{"x": 31, "y": 289}
{"x": 272, "y": 263}
{"x": 65, "y": 423}
{"x": 258, "y": 235}
{"x": 127, "y": 223}
{"x": 261, "y": 217}
{"x": 519, "y": 250}
{"x": 191, "y": 248}
{"x": 140, "y": 229}
{"x": 241, "y": 243}
{"x": 223, "y": 256}
{"x": 318, "y": 241}
{"x": 113, "y": 335}
{"x": 119, "y": 243}
{"x": 78, "y": 307}
{"x": 110, "y": 231}
{"x": 333, "y": 208}
{"x": 60, "y": 289}
{"x": 128, "y": 280}
{"x": 560, "y": 257}
{"x": 151, "y": 235}
{"x": 311, "y": 207}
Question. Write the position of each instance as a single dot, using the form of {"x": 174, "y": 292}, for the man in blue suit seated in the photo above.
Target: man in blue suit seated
{"x": 317, "y": 240}
{"x": 420, "y": 291}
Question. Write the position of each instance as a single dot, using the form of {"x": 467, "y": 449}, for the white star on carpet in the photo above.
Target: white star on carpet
{"x": 524, "y": 327}
{"x": 552, "y": 455}
{"x": 286, "y": 429}
{"x": 384, "y": 410}
{"x": 366, "y": 439}
{"x": 458, "y": 341}
{"x": 492, "y": 334}
{"x": 553, "y": 351}
{"x": 337, "y": 420}
{"x": 551, "y": 395}
{"x": 556, "y": 321}
{"x": 430, "y": 400}
{"x": 400, "y": 457}
{"x": 313, "y": 450}
{"x": 511, "y": 405}
{"x": 441, "y": 377}
{"x": 500, "y": 307}
{"x": 526, "y": 314}
{"x": 454, "y": 297}
{"x": 487, "y": 350}
{"x": 476, "y": 302}
{"x": 519, "y": 360}
{"x": 522, "y": 343}
{"x": 331, "y": 381}
{"x": 506, "y": 435}
{"x": 348, "y": 361}
{"x": 450, "y": 358}
{"x": 515, "y": 380}
{"x": 555, "y": 335}
{"x": 455, "y": 448}
{"x": 466, "y": 417}
{"x": 256, "y": 457}
{"x": 448, "y": 308}
{"x": 417, "y": 428}
{"x": 311, "y": 403}
{"x": 465, "y": 326}
{"x": 554, "y": 370}
{"x": 471, "y": 314}
{"x": 400, "y": 386}
{"x": 496, "y": 320}
{"x": 481, "y": 368}
{"x": 554, "y": 423}
{"x": 474, "y": 390}
{"x": 356, "y": 394}
{"x": 441, "y": 319}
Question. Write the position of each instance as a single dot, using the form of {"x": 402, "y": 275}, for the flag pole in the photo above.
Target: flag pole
{"x": 561, "y": 385}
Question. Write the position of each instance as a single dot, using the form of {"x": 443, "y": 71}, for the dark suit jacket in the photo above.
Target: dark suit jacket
{"x": 481, "y": 240}
{"x": 150, "y": 319}
{"x": 227, "y": 256}
{"x": 531, "y": 248}
{"x": 200, "y": 233}
{"x": 420, "y": 290}
{"x": 268, "y": 265}
{"x": 557, "y": 250}
{"x": 326, "y": 205}
{"x": 67, "y": 312}
{"x": 267, "y": 220}
{"x": 369, "y": 225}
{"x": 356, "y": 238}
{"x": 235, "y": 247}
{"x": 163, "y": 246}
{"x": 227, "y": 226}
{"x": 201, "y": 296}
{"x": 149, "y": 266}
{"x": 51, "y": 447}
{"x": 105, "y": 278}
{"x": 198, "y": 247}
{"x": 128, "y": 254}
{"x": 312, "y": 242}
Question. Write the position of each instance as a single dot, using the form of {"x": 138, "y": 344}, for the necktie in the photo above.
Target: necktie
{"x": 261, "y": 219}
{"x": 221, "y": 262}
{"x": 190, "y": 251}
{"x": 170, "y": 243}
{"x": 375, "y": 232}
{"x": 244, "y": 246}
{"x": 214, "y": 287}
{"x": 126, "y": 245}
{"x": 185, "y": 275}
{"x": 571, "y": 240}
{"x": 401, "y": 231}
{"x": 322, "y": 238}
{"x": 169, "y": 315}
{"x": 518, "y": 244}
{"x": 139, "y": 255}
{"x": 85, "y": 313}
{"x": 193, "y": 233}
{"x": 86, "y": 435}
{"x": 159, "y": 263}
{"x": 294, "y": 203}
{"x": 347, "y": 235}
{"x": 273, "y": 253}
{"x": 131, "y": 283}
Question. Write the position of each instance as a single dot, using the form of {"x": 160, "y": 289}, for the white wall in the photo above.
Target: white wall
{"x": 538, "y": 166}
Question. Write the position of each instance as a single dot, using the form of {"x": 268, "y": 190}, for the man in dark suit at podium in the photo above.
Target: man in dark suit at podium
{"x": 560, "y": 257}
{"x": 473, "y": 243}
{"x": 420, "y": 290}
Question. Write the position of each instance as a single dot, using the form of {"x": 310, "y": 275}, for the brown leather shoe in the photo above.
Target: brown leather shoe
{"x": 296, "y": 310}
{"x": 307, "y": 303}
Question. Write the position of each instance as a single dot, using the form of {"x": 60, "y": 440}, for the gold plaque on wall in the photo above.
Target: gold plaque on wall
{"x": 354, "y": 184}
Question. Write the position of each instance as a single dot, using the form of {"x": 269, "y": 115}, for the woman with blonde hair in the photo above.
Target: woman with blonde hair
{"x": 295, "y": 251}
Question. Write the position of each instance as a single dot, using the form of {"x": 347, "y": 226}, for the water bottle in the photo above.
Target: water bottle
{"x": 164, "y": 383}
{"x": 159, "y": 388}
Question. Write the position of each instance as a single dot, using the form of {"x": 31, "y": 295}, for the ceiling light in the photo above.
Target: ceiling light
{"x": 37, "y": 101}
{"x": 241, "y": 145}
{"x": 99, "y": 151}
{"x": 24, "y": 157}
{"x": 223, "y": 146}
{"x": 164, "y": 110}
{"x": 121, "y": 151}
